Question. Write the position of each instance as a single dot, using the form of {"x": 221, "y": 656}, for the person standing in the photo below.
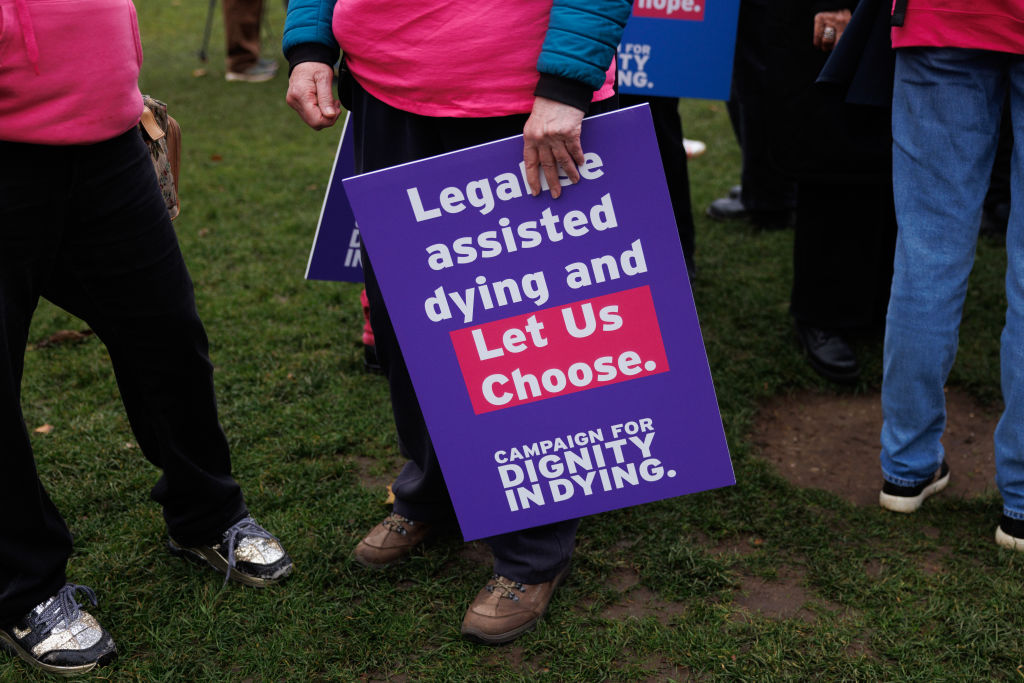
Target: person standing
{"x": 424, "y": 77}
{"x": 956, "y": 64}
{"x": 242, "y": 19}
{"x": 838, "y": 150}
{"x": 668, "y": 129}
{"x": 83, "y": 224}
{"x": 765, "y": 196}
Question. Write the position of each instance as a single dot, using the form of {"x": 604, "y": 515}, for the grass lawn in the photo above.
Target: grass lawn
{"x": 658, "y": 592}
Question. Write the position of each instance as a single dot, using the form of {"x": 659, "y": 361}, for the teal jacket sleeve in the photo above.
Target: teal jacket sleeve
{"x": 308, "y": 36}
{"x": 581, "y": 41}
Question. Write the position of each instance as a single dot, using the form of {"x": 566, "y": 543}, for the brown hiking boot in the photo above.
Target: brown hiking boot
{"x": 390, "y": 541}
{"x": 504, "y": 609}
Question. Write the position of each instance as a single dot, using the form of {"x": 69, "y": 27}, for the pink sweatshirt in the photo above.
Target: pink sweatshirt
{"x": 996, "y": 25}
{"x": 69, "y": 70}
{"x": 404, "y": 52}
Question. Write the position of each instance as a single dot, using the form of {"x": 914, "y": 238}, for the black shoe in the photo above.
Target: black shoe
{"x": 909, "y": 498}
{"x": 1010, "y": 533}
{"x": 58, "y": 637}
{"x": 726, "y": 209}
{"x": 245, "y": 552}
{"x": 829, "y": 354}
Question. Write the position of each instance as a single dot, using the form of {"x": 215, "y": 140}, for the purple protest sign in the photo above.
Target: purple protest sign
{"x": 335, "y": 255}
{"x": 553, "y": 344}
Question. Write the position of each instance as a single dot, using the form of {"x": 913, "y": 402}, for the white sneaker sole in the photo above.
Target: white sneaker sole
{"x": 1005, "y": 540}
{"x": 234, "y": 77}
{"x": 908, "y": 504}
{"x": 8, "y": 644}
{"x": 204, "y": 556}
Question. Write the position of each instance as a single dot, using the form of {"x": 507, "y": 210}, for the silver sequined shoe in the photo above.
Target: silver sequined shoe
{"x": 246, "y": 552}
{"x": 58, "y": 637}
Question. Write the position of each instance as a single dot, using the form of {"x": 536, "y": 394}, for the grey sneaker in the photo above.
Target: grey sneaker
{"x": 263, "y": 70}
{"x": 246, "y": 552}
{"x": 58, "y": 637}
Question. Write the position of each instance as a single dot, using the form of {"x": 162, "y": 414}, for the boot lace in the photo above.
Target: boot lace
{"x": 507, "y": 588}
{"x": 397, "y": 523}
{"x": 246, "y": 527}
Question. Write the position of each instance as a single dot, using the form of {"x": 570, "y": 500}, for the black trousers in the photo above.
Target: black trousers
{"x": 765, "y": 187}
{"x": 86, "y": 228}
{"x": 843, "y": 249}
{"x": 385, "y": 136}
{"x": 668, "y": 127}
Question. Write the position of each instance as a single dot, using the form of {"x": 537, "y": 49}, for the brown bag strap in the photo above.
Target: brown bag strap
{"x": 163, "y": 135}
{"x": 174, "y": 147}
{"x": 150, "y": 125}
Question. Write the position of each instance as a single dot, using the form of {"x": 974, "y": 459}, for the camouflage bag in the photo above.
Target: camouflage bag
{"x": 163, "y": 136}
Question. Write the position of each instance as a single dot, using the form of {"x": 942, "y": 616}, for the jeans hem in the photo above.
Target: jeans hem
{"x": 1013, "y": 514}
{"x": 900, "y": 481}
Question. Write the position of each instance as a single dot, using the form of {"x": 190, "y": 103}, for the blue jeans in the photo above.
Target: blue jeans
{"x": 945, "y": 121}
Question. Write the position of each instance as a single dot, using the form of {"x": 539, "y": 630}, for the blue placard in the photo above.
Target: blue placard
{"x": 679, "y": 48}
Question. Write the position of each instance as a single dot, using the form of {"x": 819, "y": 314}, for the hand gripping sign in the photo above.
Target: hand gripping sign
{"x": 553, "y": 344}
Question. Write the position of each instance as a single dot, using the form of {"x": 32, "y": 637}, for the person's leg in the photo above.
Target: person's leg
{"x": 121, "y": 271}
{"x": 41, "y": 620}
{"x": 828, "y": 273}
{"x": 946, "y": 106}
{"x": 767, "y": 195}
{"x": 842, "y": 238}
{"x": 668, "y": 127}
{"x": 537, "y": 555}
{"x": 385, "y": 136}
{"x": 242, "y": 33}
{"x": 1009, "y": 436}
{"x": 842, "y": 267}
{"x": 997, "y": 202}
{"x": 34, "y": 541}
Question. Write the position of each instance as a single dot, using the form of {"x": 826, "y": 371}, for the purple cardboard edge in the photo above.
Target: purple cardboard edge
{"x": 335, "y": 243}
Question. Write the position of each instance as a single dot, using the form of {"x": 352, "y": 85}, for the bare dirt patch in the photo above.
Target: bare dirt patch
{"x": 375, "y": 473}
{"x": 934, "y": 562}
{"x": 782, "y": 598}
{"x": 637, "y": 601}
{"x": 667, "y": 671}
{"x": 831, "y": 442}
{"x": 477, "y": 552}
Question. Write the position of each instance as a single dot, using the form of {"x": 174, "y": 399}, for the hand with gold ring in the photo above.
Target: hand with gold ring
{"x": 829, "y": 27}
